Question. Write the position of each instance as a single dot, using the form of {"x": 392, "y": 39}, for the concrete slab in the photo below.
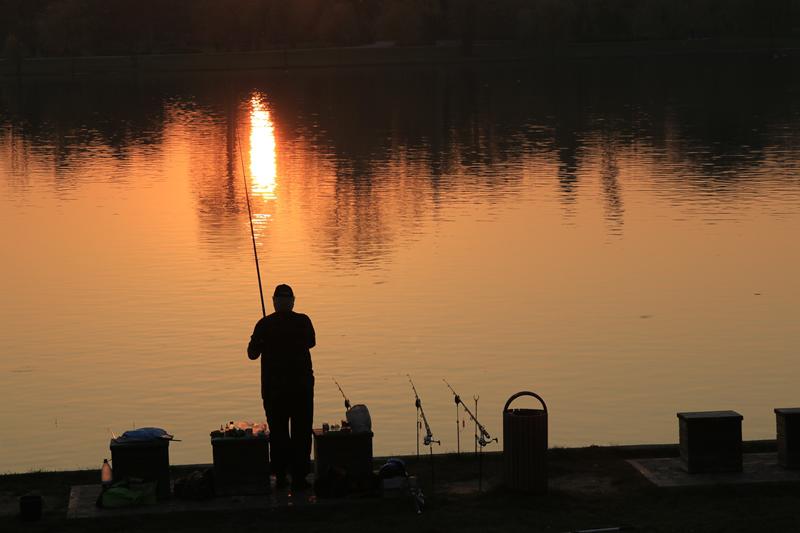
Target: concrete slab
{"x": 756, "y": 468}
{"x": 82, "y": 500}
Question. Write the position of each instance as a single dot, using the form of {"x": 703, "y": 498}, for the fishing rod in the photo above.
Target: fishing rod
{"x": 428, "y": 439}
{"x": 250, "y": 218}
{"x": 346, "y": 400}
{"x": 484, "y": 438}
{"x": 476, "y": 398}
{"x": 458, "y": 429}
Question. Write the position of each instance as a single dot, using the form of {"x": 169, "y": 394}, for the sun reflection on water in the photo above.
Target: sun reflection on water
{"x": 263, "y": 166}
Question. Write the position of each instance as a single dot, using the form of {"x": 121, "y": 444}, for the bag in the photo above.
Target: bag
{"x": 393, "y": 467}
{"x": 128, "y": 493}
{"x": 197, "y": 485}
{"x": 144, "y": 434}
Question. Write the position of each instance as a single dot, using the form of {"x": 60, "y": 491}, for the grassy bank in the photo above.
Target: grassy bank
{"x": 444, "y": 53}
{"x": 589, "y": 487}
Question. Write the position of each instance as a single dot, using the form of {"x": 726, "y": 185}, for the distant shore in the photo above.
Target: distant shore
{"x": 381, "y": 54}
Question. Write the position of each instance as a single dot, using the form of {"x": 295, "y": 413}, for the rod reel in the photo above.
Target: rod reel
{"x": 483, "y": 437}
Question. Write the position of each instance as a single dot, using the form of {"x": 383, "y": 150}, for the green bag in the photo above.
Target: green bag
{"x": 128, "y": 493}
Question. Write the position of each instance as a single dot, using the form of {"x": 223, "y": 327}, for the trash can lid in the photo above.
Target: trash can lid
{"x": 524, "y": 393}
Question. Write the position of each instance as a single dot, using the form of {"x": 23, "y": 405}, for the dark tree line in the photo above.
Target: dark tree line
{"x": 100, "y": 27}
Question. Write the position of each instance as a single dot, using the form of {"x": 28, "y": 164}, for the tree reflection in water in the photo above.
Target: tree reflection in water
{"x": 370, "y": 153}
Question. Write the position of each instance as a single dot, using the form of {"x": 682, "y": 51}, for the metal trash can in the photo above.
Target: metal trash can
{"x": 525, "y": 446}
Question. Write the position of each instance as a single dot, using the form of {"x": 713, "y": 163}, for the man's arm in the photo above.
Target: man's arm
{"x": 310, "y": 336}
{"x": 256, "y": 345}
{"x": 254, "y": 349}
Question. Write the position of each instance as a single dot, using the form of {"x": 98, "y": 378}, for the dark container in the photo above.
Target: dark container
{"x": 525, "y": 446}
{"x": 344, "y": 452}
{"x": 241, "y": 465}
{"x": 145, "y": 460}
{"x": 30, "y": 507}
{"x": 788, "y": 422}
{"x": 711, "y": 441}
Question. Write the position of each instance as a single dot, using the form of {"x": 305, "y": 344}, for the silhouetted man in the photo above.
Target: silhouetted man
{"x": 283, "y": 340}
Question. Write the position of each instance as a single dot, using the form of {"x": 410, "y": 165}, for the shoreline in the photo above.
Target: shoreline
{"x": 589, "y": 487}
{"x": 627, "y": 450}
{"x": 387, "y": 54}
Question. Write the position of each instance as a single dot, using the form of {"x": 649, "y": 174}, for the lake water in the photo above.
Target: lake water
{"x": 619, "y": 237}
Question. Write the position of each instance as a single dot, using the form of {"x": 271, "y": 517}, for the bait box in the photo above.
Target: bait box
{"x": 241, "y": 465}
{"x": 145, "y": 460}
{"x": 343, "y": 451}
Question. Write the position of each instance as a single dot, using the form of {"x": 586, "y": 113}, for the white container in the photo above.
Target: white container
{"x": 359, "y": 419}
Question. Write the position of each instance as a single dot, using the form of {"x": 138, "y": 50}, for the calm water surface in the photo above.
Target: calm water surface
{"x": 620, "y": 238}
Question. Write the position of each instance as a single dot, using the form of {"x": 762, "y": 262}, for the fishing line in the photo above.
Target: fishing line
{"x": 250, "y": 218}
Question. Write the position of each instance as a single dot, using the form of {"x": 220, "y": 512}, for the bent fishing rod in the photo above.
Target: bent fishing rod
{"x": 484, "y": 437}
{"x": 346, "y": 400}
{"x": 250, "y": 218}
{"x": 428, "y": 440}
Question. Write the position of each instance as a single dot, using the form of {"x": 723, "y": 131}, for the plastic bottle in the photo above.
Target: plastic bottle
{"x": 105, "y": 474}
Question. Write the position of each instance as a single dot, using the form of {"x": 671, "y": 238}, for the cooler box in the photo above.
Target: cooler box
{"x": 241, "y": 465}
{"x": 146, "y": 460}
{"x": 343, "y": 451}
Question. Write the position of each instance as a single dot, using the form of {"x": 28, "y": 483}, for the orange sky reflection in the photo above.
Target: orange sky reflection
{"x": 263, "y": 166}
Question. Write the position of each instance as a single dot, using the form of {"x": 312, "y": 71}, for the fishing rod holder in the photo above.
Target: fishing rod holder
{"x": 428, "y": 439}
{"x": 484, "y": 438}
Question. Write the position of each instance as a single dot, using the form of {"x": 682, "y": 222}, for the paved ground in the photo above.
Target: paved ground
{"x": 83, "y": 497}
{"x": 756, "y": 468}
{"x": 591, "y": 487}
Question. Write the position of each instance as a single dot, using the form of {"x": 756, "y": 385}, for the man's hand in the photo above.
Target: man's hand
{"x": 253, "y": 349}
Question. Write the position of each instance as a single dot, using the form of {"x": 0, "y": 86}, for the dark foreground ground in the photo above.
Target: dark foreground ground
{"x": 589, "y": 488}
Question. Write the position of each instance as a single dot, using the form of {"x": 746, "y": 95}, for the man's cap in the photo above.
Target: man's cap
{"x": 283, "y": 290}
